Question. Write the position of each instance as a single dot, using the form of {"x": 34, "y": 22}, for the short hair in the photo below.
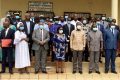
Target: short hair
{"x": 59, "y": 28}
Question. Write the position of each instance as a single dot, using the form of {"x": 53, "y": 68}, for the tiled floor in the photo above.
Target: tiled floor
{"x": 65, "y": 76}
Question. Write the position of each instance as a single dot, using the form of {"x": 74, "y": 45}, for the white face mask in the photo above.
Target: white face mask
{"x": 113, "y": 27}
{"x": 79, "y": 27}
{"x": 41, "y": 27}
{"x": 95, "y": 29}
{"x": 84, "y": 21}
{"x": 103, "y": 18}
{"x": 60, "y": 31}
{"x": 98, "y": 22}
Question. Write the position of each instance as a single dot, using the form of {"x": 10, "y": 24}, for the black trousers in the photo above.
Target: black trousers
{"x": 7, "y": 54}
{"x": 69, "y": 54}
{"x": 85, "y": 53}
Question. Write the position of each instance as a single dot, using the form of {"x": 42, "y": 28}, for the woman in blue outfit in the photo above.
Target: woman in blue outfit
{"x": 60, "y": 48}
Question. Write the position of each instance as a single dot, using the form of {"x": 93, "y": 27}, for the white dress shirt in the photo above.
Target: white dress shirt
{"x": 28, "y": 26}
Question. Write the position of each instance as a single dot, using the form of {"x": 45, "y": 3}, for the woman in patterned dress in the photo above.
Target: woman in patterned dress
{"x": 59, "y": 48}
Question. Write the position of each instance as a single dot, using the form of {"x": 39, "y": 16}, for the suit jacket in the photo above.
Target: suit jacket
{"x": 94, "y": 39}
{"x": 10, "y": 35}
{"x": 101, "y": 28}
{"x": 37, "y": 37}
{"x": 66, "y": 30}
{"x": 31, "y": 30}
{"x": 110, "y": 40}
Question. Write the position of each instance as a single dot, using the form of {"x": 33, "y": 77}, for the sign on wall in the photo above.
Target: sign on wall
{"x": 40, "y": 6}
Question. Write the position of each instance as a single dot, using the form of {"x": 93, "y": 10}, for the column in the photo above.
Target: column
{"x": 114, "y": 11}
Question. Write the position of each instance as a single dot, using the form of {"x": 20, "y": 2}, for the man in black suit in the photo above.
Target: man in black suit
{"x": 67, "y": 29}
{"x": 28, "y": 26}
{"x": 7, "y": 51}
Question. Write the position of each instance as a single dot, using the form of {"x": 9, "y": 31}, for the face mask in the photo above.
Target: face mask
{"x": 21, "y": 28}
{"x": 41, "y": 27}
{"x": 56, "y": 22}
{"x": 113, "y": 27}
{"x": 84, "y": 21}
{"x": 79, "y": 27}
{"x": 42, "y": 21}
{"x": 98, "y": 22}
{"x": 68, "y": 22}
{"x": 103, "y": 18}
{"x": 17, "y": 17}
{"x": 51, "y": 19}
{"x": 60, "y": 31}
{"x": 95, "y": 29}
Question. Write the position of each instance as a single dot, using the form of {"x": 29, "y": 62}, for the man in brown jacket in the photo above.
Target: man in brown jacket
{"x": 77, "y": 45}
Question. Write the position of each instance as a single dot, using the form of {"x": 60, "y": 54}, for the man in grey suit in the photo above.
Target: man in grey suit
{"x": 40, "y": 45}
{"x": 95, "y": 43}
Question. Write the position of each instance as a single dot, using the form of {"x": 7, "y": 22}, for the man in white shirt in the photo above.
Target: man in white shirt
{"x": 29, "y": 27}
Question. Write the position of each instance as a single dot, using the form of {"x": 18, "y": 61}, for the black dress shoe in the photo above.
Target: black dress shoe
{"x": 80, "y": 72}
{"x": 98, "y": 72}
{"x": 74, "y": 72}
{"x": 11, "y": 72}
{"x": 62, "y": 72}
{"x": 44, "y": 72}
{"x": 106, "y": 72}
{"x": 57, "y": 72}
{"x": 90, "y": 72}
{"x": 114, "y": 72}
{"x": 66, "y": 60}
{"x": 2, "y": 72}
{"x": 36, "y": 72}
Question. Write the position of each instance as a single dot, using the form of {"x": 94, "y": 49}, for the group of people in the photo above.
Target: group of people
{"x": 64, "y": 39}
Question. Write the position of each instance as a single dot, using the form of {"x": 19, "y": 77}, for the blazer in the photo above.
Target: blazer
{"x": 31, "y": 29}
{"x": 36, "y": 37}
{"x": 101, "y": 28}
{"x": 10, "y": 35}
{"x": 66, "y": 29}
{"x": 110, "y": 40}
{"x": 94, "y": 39}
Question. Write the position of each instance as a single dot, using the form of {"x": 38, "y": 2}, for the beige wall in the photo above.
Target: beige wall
{"x": 0, "y": 9}
{"x": 93, "y": 6}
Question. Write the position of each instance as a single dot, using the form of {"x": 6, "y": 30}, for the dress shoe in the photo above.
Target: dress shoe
{"x": 11, "y": 72}
{"x": 66, "y": 60}
{"x": 62, "y": 71}
{"x": 2, "y": 72}
{"x": 36, "y": 72}
{"x": 80, "y": 72}
{"x": 90, "y": 72}
{"x": 44, "y": 72}
{"x": 74, "y": 72}
{"x": 57, "y": 72}
{"x": 114, "y": 72}
{"x": 106, "y": 72}
{"x": 98, "y": 72}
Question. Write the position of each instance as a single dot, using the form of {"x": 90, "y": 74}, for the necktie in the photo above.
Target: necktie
{"x": 42, "y": 33}
{"x": 113, "y": 31}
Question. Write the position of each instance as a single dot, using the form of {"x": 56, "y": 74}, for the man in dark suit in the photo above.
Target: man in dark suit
{"x": 7, "y": 51}
{"x": 29, "y": 26}
{"x": 110, "y": 43}
{"x": 67, "y": 29}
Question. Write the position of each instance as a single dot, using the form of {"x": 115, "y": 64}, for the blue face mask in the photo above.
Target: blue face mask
{"x": 21, "y": 28}
{"x": 41, "y": 27}
{"x": 17, "y": 17}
